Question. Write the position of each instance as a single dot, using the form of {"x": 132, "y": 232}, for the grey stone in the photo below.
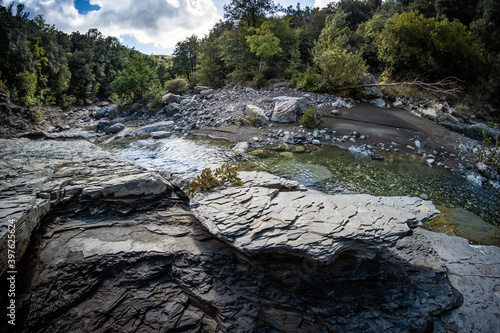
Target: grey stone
{"x": 161, "y": 135}
{"x": 142, "y": 262}
{"x": 156, "y": 127}
{"x": 378, "y": 102}
{"x": 285, "y": 111}
{"x": 115, "y": 128}
{"x": 332, "y": 224}
{"x": 199, "y": 89}
{"x": 58, "y": 171}
{"x": 369, "y": 79}
{"x": 302, "y": 103}
{"x": 253, "y": 109}
{"x": 430, "y": 113}
{"x": 170, "y": 98}
{"x": 102, "y": 126}
{"x": 191, "y": 104}
{"x": 241, "y": 147}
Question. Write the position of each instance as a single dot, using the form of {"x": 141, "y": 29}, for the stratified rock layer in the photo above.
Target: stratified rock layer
{"x": 258, "y": 217}
{"x": 120, "y": 251}
{"x": 39, "y": 175}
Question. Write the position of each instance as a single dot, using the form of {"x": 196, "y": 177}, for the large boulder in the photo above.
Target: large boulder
{"x": 369, "y": 79}
{"x": 199, "y": 89}
{"x": 116, "y": 128}
{"x": 172, "y": 109}
{"x": 170, "y": 98}
{"x": 159, "y": 126}
{"x": 285, "y": 111}
{"x": 302, "y": 103}
{"x": 56, "y": 172}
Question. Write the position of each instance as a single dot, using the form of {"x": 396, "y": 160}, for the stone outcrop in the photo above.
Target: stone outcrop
{"x": 261, "y": 218}
{"x": 42, "y": 174}
{"x": 121, "y": 251}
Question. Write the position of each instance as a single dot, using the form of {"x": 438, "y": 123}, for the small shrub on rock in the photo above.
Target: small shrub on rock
{"x": 37, "y": 116}
{"x": 489, "y": 154}
{"x": 177, "y": 86}
{"x": 311, "y": 119}
{"x": 208, "y": 179}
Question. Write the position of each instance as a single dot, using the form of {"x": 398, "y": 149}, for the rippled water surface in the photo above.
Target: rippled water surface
{"x": 334, "y": 170}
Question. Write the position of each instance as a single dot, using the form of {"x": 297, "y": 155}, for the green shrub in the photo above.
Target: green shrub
{"x": 341, "y": 68}
{"x": 310, "y": 80}
{"x": 177, "y": 86}
{"x": 311, "y": 119}
{"x": 489, "y": 153}
{"x": 37, "y": 116}
{"x": 413, "y": 45}
{"x": 209, "y": 179}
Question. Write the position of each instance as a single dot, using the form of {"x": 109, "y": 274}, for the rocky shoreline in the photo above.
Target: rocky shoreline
{"x": 117, "y": 248}
{"x": 103, "y": 245}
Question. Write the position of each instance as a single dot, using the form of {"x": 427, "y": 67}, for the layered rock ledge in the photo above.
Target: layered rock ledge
{"x": 115, "y": 249}
{"x": 259, "y": 217}
{"x": 40, "y": 174}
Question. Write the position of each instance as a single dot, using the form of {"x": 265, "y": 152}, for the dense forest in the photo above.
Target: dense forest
{"x": 322, "y": 50}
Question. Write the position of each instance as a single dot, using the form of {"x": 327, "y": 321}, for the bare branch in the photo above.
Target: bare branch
{"x": 447, "y": 86}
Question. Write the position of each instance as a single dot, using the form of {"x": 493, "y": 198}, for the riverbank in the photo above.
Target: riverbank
{"x": 117, "y": 248}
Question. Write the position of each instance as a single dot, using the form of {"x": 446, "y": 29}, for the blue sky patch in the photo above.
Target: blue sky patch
{"x": 84, "y": 7}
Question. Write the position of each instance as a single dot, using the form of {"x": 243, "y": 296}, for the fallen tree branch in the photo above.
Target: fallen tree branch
{"x": 447, "y": 86}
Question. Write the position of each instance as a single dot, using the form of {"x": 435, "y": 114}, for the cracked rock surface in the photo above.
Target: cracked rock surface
{"x": 258, "y": 217}
{"x": 117, "y": 249}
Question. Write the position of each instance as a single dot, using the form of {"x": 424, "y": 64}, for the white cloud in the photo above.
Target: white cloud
{"x": 161, "y": 22}
{"x": 323, "y": 3}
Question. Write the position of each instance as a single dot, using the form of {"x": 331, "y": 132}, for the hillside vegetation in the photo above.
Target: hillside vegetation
{"x": 322, "y": 50}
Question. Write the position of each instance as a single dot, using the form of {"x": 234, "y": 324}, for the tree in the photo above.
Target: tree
{"x": 186, "y": 56}
{"x": 212, "y": 68}
{"x": 264, "y": 44}
{"x": 135, "y": 80}
{"x": 249, "y": 11}
{"x": 339, "y": 66}
{"x": 414, "y": 46}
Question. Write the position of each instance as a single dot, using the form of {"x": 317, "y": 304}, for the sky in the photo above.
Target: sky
{"x": 150, "y": 26}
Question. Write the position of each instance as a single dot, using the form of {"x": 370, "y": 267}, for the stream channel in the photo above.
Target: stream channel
{"x": 468, "y": 210}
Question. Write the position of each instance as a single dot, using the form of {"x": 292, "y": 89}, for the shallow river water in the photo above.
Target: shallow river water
{"x": 469, "y": 210}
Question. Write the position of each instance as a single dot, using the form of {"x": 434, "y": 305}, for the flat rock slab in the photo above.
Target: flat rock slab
{"x": 258, "y": 218}
{"x": 40, "y": 174}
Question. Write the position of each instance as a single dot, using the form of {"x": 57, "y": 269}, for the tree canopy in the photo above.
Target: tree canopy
{"x": 258, "y": 40}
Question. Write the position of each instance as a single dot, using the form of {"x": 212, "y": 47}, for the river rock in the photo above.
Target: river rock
{"x": 191, "y": 104}
{"x": 241, "y": 147}
{"x": 161, "y": 135}
{"x": 253, "y": 109}
{"x": 155, "y": 127}
{"x": 369, "y": 79}
{"x": 430, "y": 113}
{"x": 48, "y": 173}
{"x": 302, "y": 103}
{"x": 258, "y": 219}
{"x": 378, "y": 102}
{"x": 199, "y": 89}
{"x": 170, "y": 98}
{"x": 285, "y": 111}
{"x": 116, "y": 128}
